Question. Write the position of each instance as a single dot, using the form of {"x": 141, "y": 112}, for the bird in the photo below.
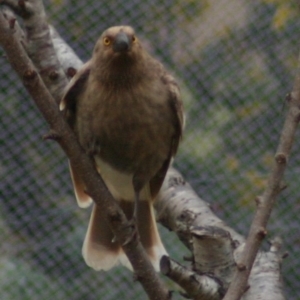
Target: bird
{"x": 126, "y": 111}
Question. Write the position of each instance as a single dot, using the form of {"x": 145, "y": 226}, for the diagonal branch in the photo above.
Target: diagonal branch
{"x": 39, "y": 45}
{"x": 266, "y": 202}
{"x": 61, "y": 132}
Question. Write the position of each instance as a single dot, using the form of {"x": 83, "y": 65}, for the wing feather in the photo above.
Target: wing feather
{"x": 68, "y": 103}
{"x": 176, "y": 108}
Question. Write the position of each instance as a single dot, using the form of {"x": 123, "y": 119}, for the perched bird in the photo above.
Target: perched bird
{"x": 127, "y": 114}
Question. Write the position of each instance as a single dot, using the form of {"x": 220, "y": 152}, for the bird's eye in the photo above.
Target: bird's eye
{"x": 106, "y": 41}
{"x": 134, "y": 38}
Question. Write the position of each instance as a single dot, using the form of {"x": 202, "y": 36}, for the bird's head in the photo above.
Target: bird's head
{"x": 117, "y": 41}
{"x": 118, "y": 55}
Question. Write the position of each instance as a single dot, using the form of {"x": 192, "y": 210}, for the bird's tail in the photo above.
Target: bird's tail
{"x": 102, "y": 252}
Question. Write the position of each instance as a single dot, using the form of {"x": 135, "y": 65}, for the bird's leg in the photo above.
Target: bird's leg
{"x": 136, "y": 205}
{"x": 133, "y": 221}
{"x": 138, "y": 183}
{"x": 137, "y": 186}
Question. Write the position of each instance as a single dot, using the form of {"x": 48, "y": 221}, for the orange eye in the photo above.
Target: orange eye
{"x": 134, "y": 38}
{"x": 106, "y": 41}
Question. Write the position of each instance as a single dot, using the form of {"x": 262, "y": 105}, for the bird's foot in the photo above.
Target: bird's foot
{"x": 132, "y": 227}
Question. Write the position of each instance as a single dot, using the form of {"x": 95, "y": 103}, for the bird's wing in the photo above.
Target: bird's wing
{"x": 68, "y": 103}
{"x": 176, "y": 108}
{"x": 73, "y": 90}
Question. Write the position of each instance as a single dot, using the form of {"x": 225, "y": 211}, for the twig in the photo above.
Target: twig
{"x": 65, "y": 137}
{"x": 266, "y": 202}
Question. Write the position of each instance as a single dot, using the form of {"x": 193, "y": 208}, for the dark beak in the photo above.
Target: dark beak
{"x": 122, "y": 43}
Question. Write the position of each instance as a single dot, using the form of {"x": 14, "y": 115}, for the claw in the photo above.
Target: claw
{"x": 133, "y": 234}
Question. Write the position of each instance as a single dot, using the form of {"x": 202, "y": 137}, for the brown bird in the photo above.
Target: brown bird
{"x": 127, "y": 114}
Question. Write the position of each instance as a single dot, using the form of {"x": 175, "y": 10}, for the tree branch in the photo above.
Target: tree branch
{"x": 179, "y": 208}
{"x": 68, "y": 60}
{"x": 198, "y": 287}
{"x": 61, "y": 132}
{"x": 182, "y": 211}
{"x": 265, "y": 277}
{"x": 39, "y": 45}
{"x": 266, "y": 202}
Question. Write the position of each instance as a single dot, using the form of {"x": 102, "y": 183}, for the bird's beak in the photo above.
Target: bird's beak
{"x": 122, "y": 42}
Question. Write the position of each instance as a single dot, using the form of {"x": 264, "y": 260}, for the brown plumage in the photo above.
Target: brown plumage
{"x": 126, "y": 112}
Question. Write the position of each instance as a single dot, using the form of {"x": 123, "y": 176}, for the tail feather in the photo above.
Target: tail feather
{"x": 102, "y": 253}
{"x": 147, "y": 227}
{"x": 83, "y": 199}
{"x": 99, "y": 251}
{"x": 149, "y": 234}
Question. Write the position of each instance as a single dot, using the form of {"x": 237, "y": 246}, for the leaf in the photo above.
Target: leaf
{"x": 232, "y": 163}
{"x": 57, "y": 2}
{"x": 283, "y": 14}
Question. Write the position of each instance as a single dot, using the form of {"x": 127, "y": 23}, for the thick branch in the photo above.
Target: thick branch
{"x": 265, "y": 278}
{"x": 182, "y": 211}
{"x": 210, "y": 240}
{"x": 19, "y": 60}
{"x": 179, "y": 209}
{"x": 65, "y": 54}
{"x": 214, "y": 242}
{"x": 197, "y": 287}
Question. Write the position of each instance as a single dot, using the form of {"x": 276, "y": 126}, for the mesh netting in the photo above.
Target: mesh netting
{"x": 235, "y": 61}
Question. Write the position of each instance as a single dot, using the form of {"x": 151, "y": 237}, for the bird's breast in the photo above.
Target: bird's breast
{"x": 127, "y": 127}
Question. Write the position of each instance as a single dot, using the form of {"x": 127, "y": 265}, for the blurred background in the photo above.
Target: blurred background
{"x": 235, "y": 61}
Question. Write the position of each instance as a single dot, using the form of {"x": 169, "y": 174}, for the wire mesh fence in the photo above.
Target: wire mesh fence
{"x": 235, "y": 61}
